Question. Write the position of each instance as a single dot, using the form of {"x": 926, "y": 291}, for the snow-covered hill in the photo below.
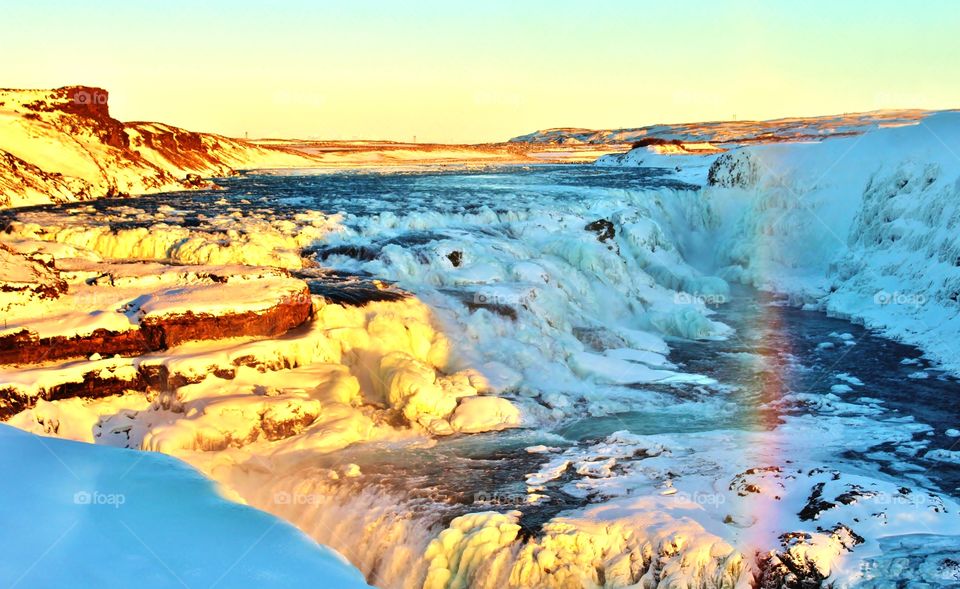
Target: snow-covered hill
{"x": 63, "y": 145}
{"x": 736, "y": 132}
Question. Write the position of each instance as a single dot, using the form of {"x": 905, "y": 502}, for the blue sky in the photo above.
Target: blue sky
{"x": 448, "y": 71}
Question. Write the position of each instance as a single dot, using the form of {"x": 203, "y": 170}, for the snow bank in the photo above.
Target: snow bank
{"x": 81, "y": 513}
{"x": 861, "y": 226}
{"x": 689, "y": 167}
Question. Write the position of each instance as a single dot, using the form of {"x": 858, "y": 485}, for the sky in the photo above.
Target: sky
{"x": 482, "y": 71}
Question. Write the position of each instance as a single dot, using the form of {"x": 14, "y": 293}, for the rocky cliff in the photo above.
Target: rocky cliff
{"x": 62, "y": 145}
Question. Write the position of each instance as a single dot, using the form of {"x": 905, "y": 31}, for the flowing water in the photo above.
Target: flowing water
{"x": 516, "y": 265}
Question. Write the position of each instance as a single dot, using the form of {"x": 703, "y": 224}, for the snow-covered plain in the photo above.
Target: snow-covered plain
{"x": 539, "y": 302}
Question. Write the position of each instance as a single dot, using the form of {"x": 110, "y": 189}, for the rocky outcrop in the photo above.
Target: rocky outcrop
{"x": 24, "y": 277}
{"x": 603, "y": 228}
{"x": 154, "y": 334}
{"x": 20, "y": 180}
{"x": 734, "y": 170}
{"x": 794, "y": 567}
{"x": 161, "y": 333}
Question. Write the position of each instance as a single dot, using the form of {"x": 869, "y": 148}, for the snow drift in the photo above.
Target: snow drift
{"x": 104, "y": 516}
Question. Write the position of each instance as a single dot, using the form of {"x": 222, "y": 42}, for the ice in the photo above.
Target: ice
{"x": 540, "y": 449}
{"x": 252, "y": 241}
{"x": 940, "y": 455}
{"x": 849, "y": 379}
{"x": 481, "y": 414}
{"x": 480, "y": 550}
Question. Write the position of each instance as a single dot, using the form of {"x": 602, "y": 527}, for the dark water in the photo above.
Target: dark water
{"x": 798, "y": 365}
{"x": 364, "y": 193}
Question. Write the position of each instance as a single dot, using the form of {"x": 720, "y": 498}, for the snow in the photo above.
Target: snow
{"x": 947, "y": 456}
{"x": 859, "y": 226}
{"x": 614, "y": 370}
{"x": 340, "y": 381}
{"x": 480, "y": 549}
{"x": 96, "y": 515}
{"x": 539, "y": 322}
{"x": 849, "y": 379}
{"x": 688, "y": 167}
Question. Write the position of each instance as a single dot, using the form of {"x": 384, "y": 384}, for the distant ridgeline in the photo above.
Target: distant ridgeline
{"x": 733, "y": 132}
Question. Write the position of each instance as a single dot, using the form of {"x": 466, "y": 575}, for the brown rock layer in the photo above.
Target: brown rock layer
{"x": 154, "y": 334}
{"x": 161, "y": 333}
{"x": 93, "y": 385}
{"x": 158, "y": 333}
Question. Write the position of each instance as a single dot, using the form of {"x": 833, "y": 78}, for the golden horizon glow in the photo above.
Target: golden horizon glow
{"x": 463, "y": 73}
